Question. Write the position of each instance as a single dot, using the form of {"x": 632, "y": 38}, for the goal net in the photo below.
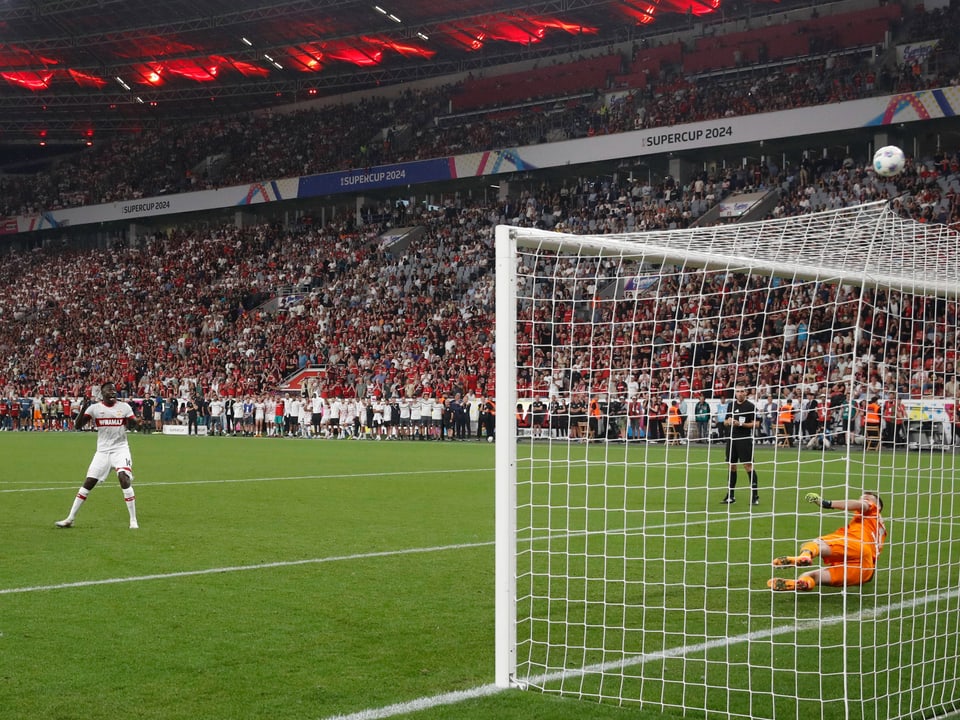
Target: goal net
{"x": 622, "y": 575}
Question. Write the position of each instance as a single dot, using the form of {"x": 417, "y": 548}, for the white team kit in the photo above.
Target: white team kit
{"x": 112, "y": 452}
{"x": 112, "y": 448}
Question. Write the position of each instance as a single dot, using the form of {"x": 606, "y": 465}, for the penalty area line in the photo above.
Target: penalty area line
{"x": 279, "y": 478}
{"x": 239, "y": 568}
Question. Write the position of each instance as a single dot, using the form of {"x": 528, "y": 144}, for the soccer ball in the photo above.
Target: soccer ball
{"x": 888, "y": 161}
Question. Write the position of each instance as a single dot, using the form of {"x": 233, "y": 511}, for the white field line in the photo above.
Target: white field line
{"x": 30, "y": 486}
{"x": 227, "y": 481}
{"x": 240, "y": 568}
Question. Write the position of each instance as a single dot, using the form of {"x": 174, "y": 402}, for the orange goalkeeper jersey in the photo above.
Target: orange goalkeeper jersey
{"x": 867, "y": 530}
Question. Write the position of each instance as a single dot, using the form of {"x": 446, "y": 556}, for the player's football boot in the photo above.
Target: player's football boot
{"x": 778, "y": 584}
{"x": 64, "y": 523}
{"x": 728, "y": 500}
{"x": 804, "y": 584}
{"x": 791, "y": 560}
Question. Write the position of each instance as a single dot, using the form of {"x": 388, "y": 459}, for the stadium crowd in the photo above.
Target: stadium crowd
{"x": 187, "y": 314}
{"x": 418, "y": 125}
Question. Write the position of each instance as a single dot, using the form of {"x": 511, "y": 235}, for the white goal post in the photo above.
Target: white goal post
{"x": 635, "y": 565}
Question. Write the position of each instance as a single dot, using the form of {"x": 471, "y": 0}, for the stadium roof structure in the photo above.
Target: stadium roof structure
{"x": 73, "y": 70}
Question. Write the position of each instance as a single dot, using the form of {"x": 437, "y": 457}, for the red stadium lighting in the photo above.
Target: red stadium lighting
{"x": 307, "y": 58}
{"x": 359, "y": 56}
{"x": 244, "y": 68}
{"x": 470, "y": 40}
{"x": 510, "y": 31}
{"x": 191, "y": 70}
{"x": 694, "y": 7}
{"x": 30, "y": 80}
{"x": 521, "y": 29}
{"x": 409, "y": 50}
{"x": 85, "y": 80}
{"x": 643, "y": 13}
{"x": 571, "y": 28}
{"x": 152, "y": 74}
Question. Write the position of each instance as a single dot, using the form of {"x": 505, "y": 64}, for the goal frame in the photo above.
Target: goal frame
{"x": 877, "y": 258}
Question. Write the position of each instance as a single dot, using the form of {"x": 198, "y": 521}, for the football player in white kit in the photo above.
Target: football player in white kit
{"x": 111, "y": 419}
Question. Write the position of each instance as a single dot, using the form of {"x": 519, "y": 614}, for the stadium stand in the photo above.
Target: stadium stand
{"x": 191, "y": 304}
{"x": 665, "y": 85}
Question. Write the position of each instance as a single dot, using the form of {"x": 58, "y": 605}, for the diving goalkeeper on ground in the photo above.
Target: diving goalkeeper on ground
{"x": 849, "y": 555}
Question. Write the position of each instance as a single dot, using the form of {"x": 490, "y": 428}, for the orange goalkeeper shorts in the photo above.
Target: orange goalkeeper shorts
{"x": 850, "y": 575}
{"x": 849, "y": 563}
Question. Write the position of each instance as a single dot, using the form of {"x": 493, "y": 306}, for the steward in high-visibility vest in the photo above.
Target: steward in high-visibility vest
{"x": 785, "y": 421}
{"x": 675, "y": 420}
{"x": 786, "y": 413}
{"x": 673, "y": 414}
{"x": 871, "y": 421}
{"x": 594, "y": 412}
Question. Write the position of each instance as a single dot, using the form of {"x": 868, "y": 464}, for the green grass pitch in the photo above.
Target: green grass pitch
{"x": 292, "y": 579}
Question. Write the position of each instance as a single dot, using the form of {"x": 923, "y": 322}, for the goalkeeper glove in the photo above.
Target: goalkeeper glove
{"x": 817, "y": 500}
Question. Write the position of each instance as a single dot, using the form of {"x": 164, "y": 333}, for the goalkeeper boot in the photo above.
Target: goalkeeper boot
{"x": 792, "y": 560}
{"x": 804, "y": 584}
{"x": 778, "y": 584}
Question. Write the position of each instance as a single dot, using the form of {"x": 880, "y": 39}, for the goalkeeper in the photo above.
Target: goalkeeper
{"x": 849, "y": 555}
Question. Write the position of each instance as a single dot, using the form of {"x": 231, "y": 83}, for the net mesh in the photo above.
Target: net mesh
{"x": 633, "y": 582}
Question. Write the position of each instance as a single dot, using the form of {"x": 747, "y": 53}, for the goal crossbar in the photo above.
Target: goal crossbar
{"x": 869, "y": 245}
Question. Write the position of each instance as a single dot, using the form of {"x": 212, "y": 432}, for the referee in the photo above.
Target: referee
{"x": 741, "y": 421}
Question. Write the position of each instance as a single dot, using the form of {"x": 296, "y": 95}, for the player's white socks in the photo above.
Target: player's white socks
{"x": 77, "y": 502}
{"x": 131, "y": 501}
